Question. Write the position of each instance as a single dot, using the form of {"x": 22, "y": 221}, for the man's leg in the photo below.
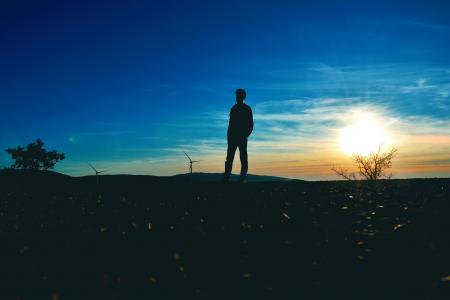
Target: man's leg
{"x": 232, "y": 146}
{"x": 244, "y": 159}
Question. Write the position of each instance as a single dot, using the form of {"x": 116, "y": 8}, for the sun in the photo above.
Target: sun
{"x": 364, "y": 136}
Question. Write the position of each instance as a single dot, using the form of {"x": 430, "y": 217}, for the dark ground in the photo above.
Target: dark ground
{"x": 142, "y": 237}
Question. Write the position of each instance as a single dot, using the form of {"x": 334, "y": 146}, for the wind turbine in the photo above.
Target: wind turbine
{"x": 96, "y": 171}
{"x": 190, "y": 162}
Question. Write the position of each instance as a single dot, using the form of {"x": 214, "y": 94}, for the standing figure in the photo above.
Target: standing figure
{"x": 239, "y": 129}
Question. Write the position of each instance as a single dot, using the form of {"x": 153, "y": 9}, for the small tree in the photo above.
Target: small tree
{"x": 370, "y": 167}
{"x": 34, "y": 157}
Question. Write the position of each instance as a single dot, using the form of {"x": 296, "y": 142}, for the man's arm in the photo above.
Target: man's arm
{"x": 230, "y": 122}
{"x": 250, "y": 127}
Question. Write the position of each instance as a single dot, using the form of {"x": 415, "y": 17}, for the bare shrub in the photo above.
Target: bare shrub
{"x": 370, "y": 167}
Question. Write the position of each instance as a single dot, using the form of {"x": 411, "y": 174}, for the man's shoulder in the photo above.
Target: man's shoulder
{"x": 242, "y": 106}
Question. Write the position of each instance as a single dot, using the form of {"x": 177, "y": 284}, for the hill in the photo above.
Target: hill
{"x": 55, "y": 179}
{"x": 208, "y": 177}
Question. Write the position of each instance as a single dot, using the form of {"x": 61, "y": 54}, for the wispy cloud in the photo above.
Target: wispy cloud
{"x": 416, "y": 24}
{"x": 420, "y": 85}
{"x": 101, "y": 133}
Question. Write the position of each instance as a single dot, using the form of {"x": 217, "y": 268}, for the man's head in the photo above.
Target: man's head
{"x": 240, "y": 95}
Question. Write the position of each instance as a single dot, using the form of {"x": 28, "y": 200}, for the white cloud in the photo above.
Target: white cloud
{"x": 416, "y": 24}
{"x": 420, "y": 85}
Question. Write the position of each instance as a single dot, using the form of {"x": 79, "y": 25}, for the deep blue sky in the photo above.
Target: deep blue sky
{"x": 120, "y": 82}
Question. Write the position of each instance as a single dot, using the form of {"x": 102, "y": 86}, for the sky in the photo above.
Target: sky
{"x": 128, "y": 85}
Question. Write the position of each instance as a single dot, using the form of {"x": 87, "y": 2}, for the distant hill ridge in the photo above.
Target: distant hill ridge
{"x": 218, "y": 177}
{"x": 53, "y": 176}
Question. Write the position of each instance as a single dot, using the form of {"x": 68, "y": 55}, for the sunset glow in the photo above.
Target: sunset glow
{"x": 364, "y": 136}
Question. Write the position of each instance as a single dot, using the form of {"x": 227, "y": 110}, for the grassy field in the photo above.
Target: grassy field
{"x": 142, "y": 237}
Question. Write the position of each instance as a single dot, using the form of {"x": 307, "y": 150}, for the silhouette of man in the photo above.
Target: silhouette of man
{"x": 239, "y": 129}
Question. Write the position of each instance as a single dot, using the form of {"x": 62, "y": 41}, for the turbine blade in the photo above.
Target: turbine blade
{"x": 95, "y": 170}
{"x": 187, "y": 156}
{"x": 196, "y": 161}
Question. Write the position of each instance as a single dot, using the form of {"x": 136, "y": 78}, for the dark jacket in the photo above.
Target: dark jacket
{"x": 241, "y": 122}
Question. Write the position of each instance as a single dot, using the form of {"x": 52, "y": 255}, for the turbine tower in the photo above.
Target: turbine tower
{"x": 190, "y": 162}
{"x": 96, "y": 172}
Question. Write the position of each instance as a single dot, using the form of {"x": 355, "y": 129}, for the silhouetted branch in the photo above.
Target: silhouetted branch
{"x": 370, "y": 167}
{"x": 344, "y": 173}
